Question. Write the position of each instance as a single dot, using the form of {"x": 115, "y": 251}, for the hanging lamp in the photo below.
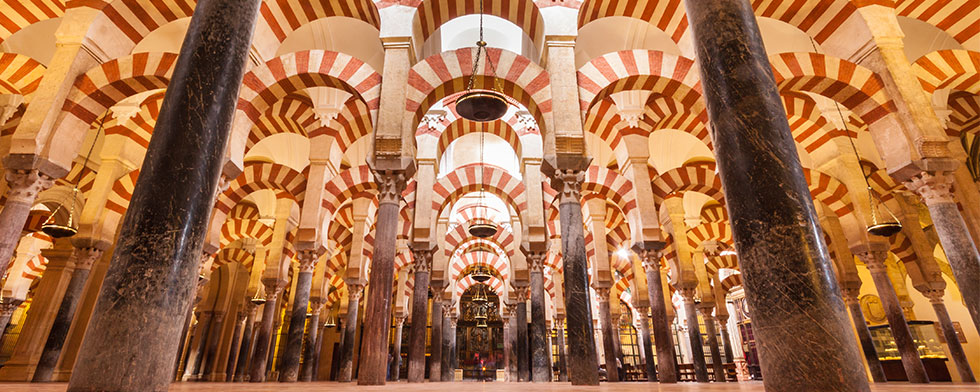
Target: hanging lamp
{"x": 481, "y": 273}
{"x": 482, "y": 105}
{"x": 881, "y": 226}
{"x": 258, "y": 298}
{"x": 480, "y": 295}
{"x": 51, "y": 226}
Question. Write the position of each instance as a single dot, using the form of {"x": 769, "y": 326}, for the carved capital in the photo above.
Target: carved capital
{"x": 446, "y": 308}
{"x": 422, "y": 259}
{"x": 603, "y": 293}
{"x": 241, "y": 315}
{"x": 400, "y": 320}
{"x": 850, "y": 295}
{"x": 935, "y": 296}
{"x": 307, "y": 259}
{"x": 521, "y": 290}
{"x": 272, "y": 290}
{"x": 219, "y": 317}
{"x": 8, "y": 306}
{"x": 85, "y": 257}
{"x": 569, "y": 185}
{"x": 535, "y": 261}
{"x": 934, "y": 188}
{"x": 687, "y": 293}
{"x": 650, "y": 259}
{"x": 874, "y": 260}
{"x": 391, "y": 183}
{"x": 24, "y": 185}
{"x": 355, "y": 291}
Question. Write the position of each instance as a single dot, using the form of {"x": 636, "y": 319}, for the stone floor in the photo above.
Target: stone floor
{"x": 495, "y": 387}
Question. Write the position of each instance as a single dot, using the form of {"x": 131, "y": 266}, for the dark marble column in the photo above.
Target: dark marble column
{"x": 214, "y": 339}
{"x": 560, "y": 337}
{"x": 397, "y": 363}
{"x": 864, "y": 335}
{"x": 709, "y": 326}
{"x": 377, "y": 320}
{"x": 312, "y": 336}
{"x": 789, "y": 281}
{"x": 263, "y": 340}
{"x": 646, "y": 345}
{"x": 448, "y": 343}
{"x": 510, "y": 359}
{"x": 582, "y": 360}
{"x": 155, "y": 263}
{"x": 247, "y": 344}
{"x": 420, "y": 313}
{"x": 84, "y": 257}
{"x": 521, "y": 348}
{"x": 23, "y": 186}
{"x": 694, "y": 335}
{"x": 960, "y": 250}
{"x": 236, "y": 345}
{"x": 193, "y": 370}
{"x": 346, "y": 373}
{"x": 435, "y": 340}
{"x": 949, "y": 332}
{"x": 317, "y": 349}
{"x": 874, "y": 259}
{"x": 666, "y": 361}
{"x": 289, "y": 370}
{"x": 540, "y": 349}
{"x": 7, "y": 308}
{"x": 726, "y": 340}
{"x": 610, "y": 331}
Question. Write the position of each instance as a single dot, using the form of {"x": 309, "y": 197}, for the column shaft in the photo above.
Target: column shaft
{"x": 309, "y": 351}
{"x": 435, "y": 340}
{"x": 154, "y": 266}
{"x": 562, "y": 367}
{"x": 716, "y": 364}
{"x": 260, "y": 354}
{"x": 582, "y": 360}
{"x": 914, "y": 369}
{"x": 726, "y": 343}
{"x": 350, "y": 334}
{"x": 24, "y": 185}
{"x": 952, "y": 341}
{"x": 420, "y": 315}
{"x": 289, "y": 370}
{"x": 647, "y": 345}
{"x": 246, "y": 348}
{"x": 609, "y": 334}
{"x": 540, "y": 349}
{"x": 397, "y": 362}
{"x": 523, "y": 358}
{"x": 666, "y": 362}
{"x": 204, "y": 326}
{"x": 377, "y": 323}
{"x": 236, "y": 344}
{"x": 214, "y": 339}
{"x": 448, "y": 344}
{"x": 694, "y": 335}
{"x": 864, "y": 336}
{"x": 789, "y": 282}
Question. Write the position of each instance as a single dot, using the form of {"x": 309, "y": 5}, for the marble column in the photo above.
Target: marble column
{"x": 960, "y": 250}
{"x": 949, "y": 332}
{"x": 263, "y": 340}
{"x": 312, "y": 336}
{"x": 646, "y": 345}
{"x": 247, "y": 344}
{"x": 610, "y": 331}
{"x": 448, "y": 343}
{"x": 694, "y": 335}
{"x": 726, "y": 340}
{"x": 7, "y": 308}
{"x": 193, "y": 370}
{"x": 397, "y": 363}
{"x": 422, "y": 266}
{"x": 377, "y": 311}
{"x": 874, "y": 259}
{"x": 289, "y": 370}
{"x": 864, "y": 334}
{"x": 154, "y": 266}
{"x": 453, "y": 354}
{"x": 666, "y": 361}
{"x": 560, "y": 337}
{"x": 510, "y": 365}
{"x": 582, "y": 360}
{"x": 788, "y": 278}
{"x": 540, "y": 349}
{"x": 236, "y": 345}
{"x": 84, "y": 257}
{"x": 346, "y": 373}
{"x": 214, "y": 339}
{"x": 435, "y": 338}
{"x": 521, "y": 348}
{"x": 709, "y": 326}
{"x": 23, "y": 186}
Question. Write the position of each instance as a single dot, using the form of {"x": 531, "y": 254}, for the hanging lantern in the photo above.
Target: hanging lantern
{"x": 482, "y": 106}
{"x": 481, "y": 273}
{"x": 483, "y": 229}
{"x": 481, "y": 316}
{"x": 331, "y": 321}
{"x": 480, "y": 296}
{"x": 56, "y": 230}
{"x": 258, "y": 298}
{"x": 881, "y": 226}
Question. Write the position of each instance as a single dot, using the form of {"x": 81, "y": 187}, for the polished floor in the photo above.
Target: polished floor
{"x": 494, "y": 387}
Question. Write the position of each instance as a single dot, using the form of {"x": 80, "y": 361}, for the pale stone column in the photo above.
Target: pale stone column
{"x": 949, "y": 332}
{"x": 23, "y": 187}
{"x": 435, "y": 332}
{"x": 874, "y": 259}
{"x": 694, "y": 334}
{"x": 540, "y": 349}
{"x": 934, "y": 188}
{"x": 350, "y": 333}
{"x": 560, "y": 337}
{"x": 448, "y": 339}
{"x": 510, "y": 340}
{"x": 397, "y": 363}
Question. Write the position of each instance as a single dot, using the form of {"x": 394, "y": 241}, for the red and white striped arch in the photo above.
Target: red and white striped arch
{"x": 431, "y": 15}
{"x": 716, "y": 263}
{"x": 236, "y": 229}
{"x": 353, "y": 123}
{"x": 461, "y": 285}
{"x": 122, "y": 192}
{"x": 953, "y": 69}
{"x": 460, "y": 262}
{"x": 882, "y": 184}
{"x": 611, "y": 186}
{"x": 261, "y": 175}
{"x": 18, "y": 14}
{"x": 819, "y": 19}
{"x": 441, "y": 75}
{"x": 668, "y": 16}
{"x": 244, "y": 211}
{"x": 732, "y": 281}
{"x": 700, "y": 178}
{"x": 829, "y": 191}
{"x": 461, "y": 127}
{"x": 458, "y": 237}
{"x": 467, "y": 178}
{"x": 956, "y": 17}
{"x": 671, "y": 76}
{"x": 965, "y": 116}
{"x": 714, "y": 213}
{"x": 901, "y": 246}
{"x": 852, "y": 85}
{"x": 122, "y": 24}
{"x": 810, "y": 129}
{"x": 660, "y": 113}
{"x": 710, "y": 231}
{"x": 139, "y": 128}
{"x": 346, "y": 184}
{"x": 233, "y": 255}
{"x": 281, "y": 17}
{"x": 292, "y": 114}
{"x": 19, "y": 74}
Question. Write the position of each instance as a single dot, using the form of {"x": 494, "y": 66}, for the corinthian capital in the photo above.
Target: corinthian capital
{"x": 422, "y": 258}
{"x": 391, "y": 183}
{"x": 568, "y": 183}
{"x": 25, "y": 185}
{"x": 932, "y": 187}
{"x": 307, "y": 259}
